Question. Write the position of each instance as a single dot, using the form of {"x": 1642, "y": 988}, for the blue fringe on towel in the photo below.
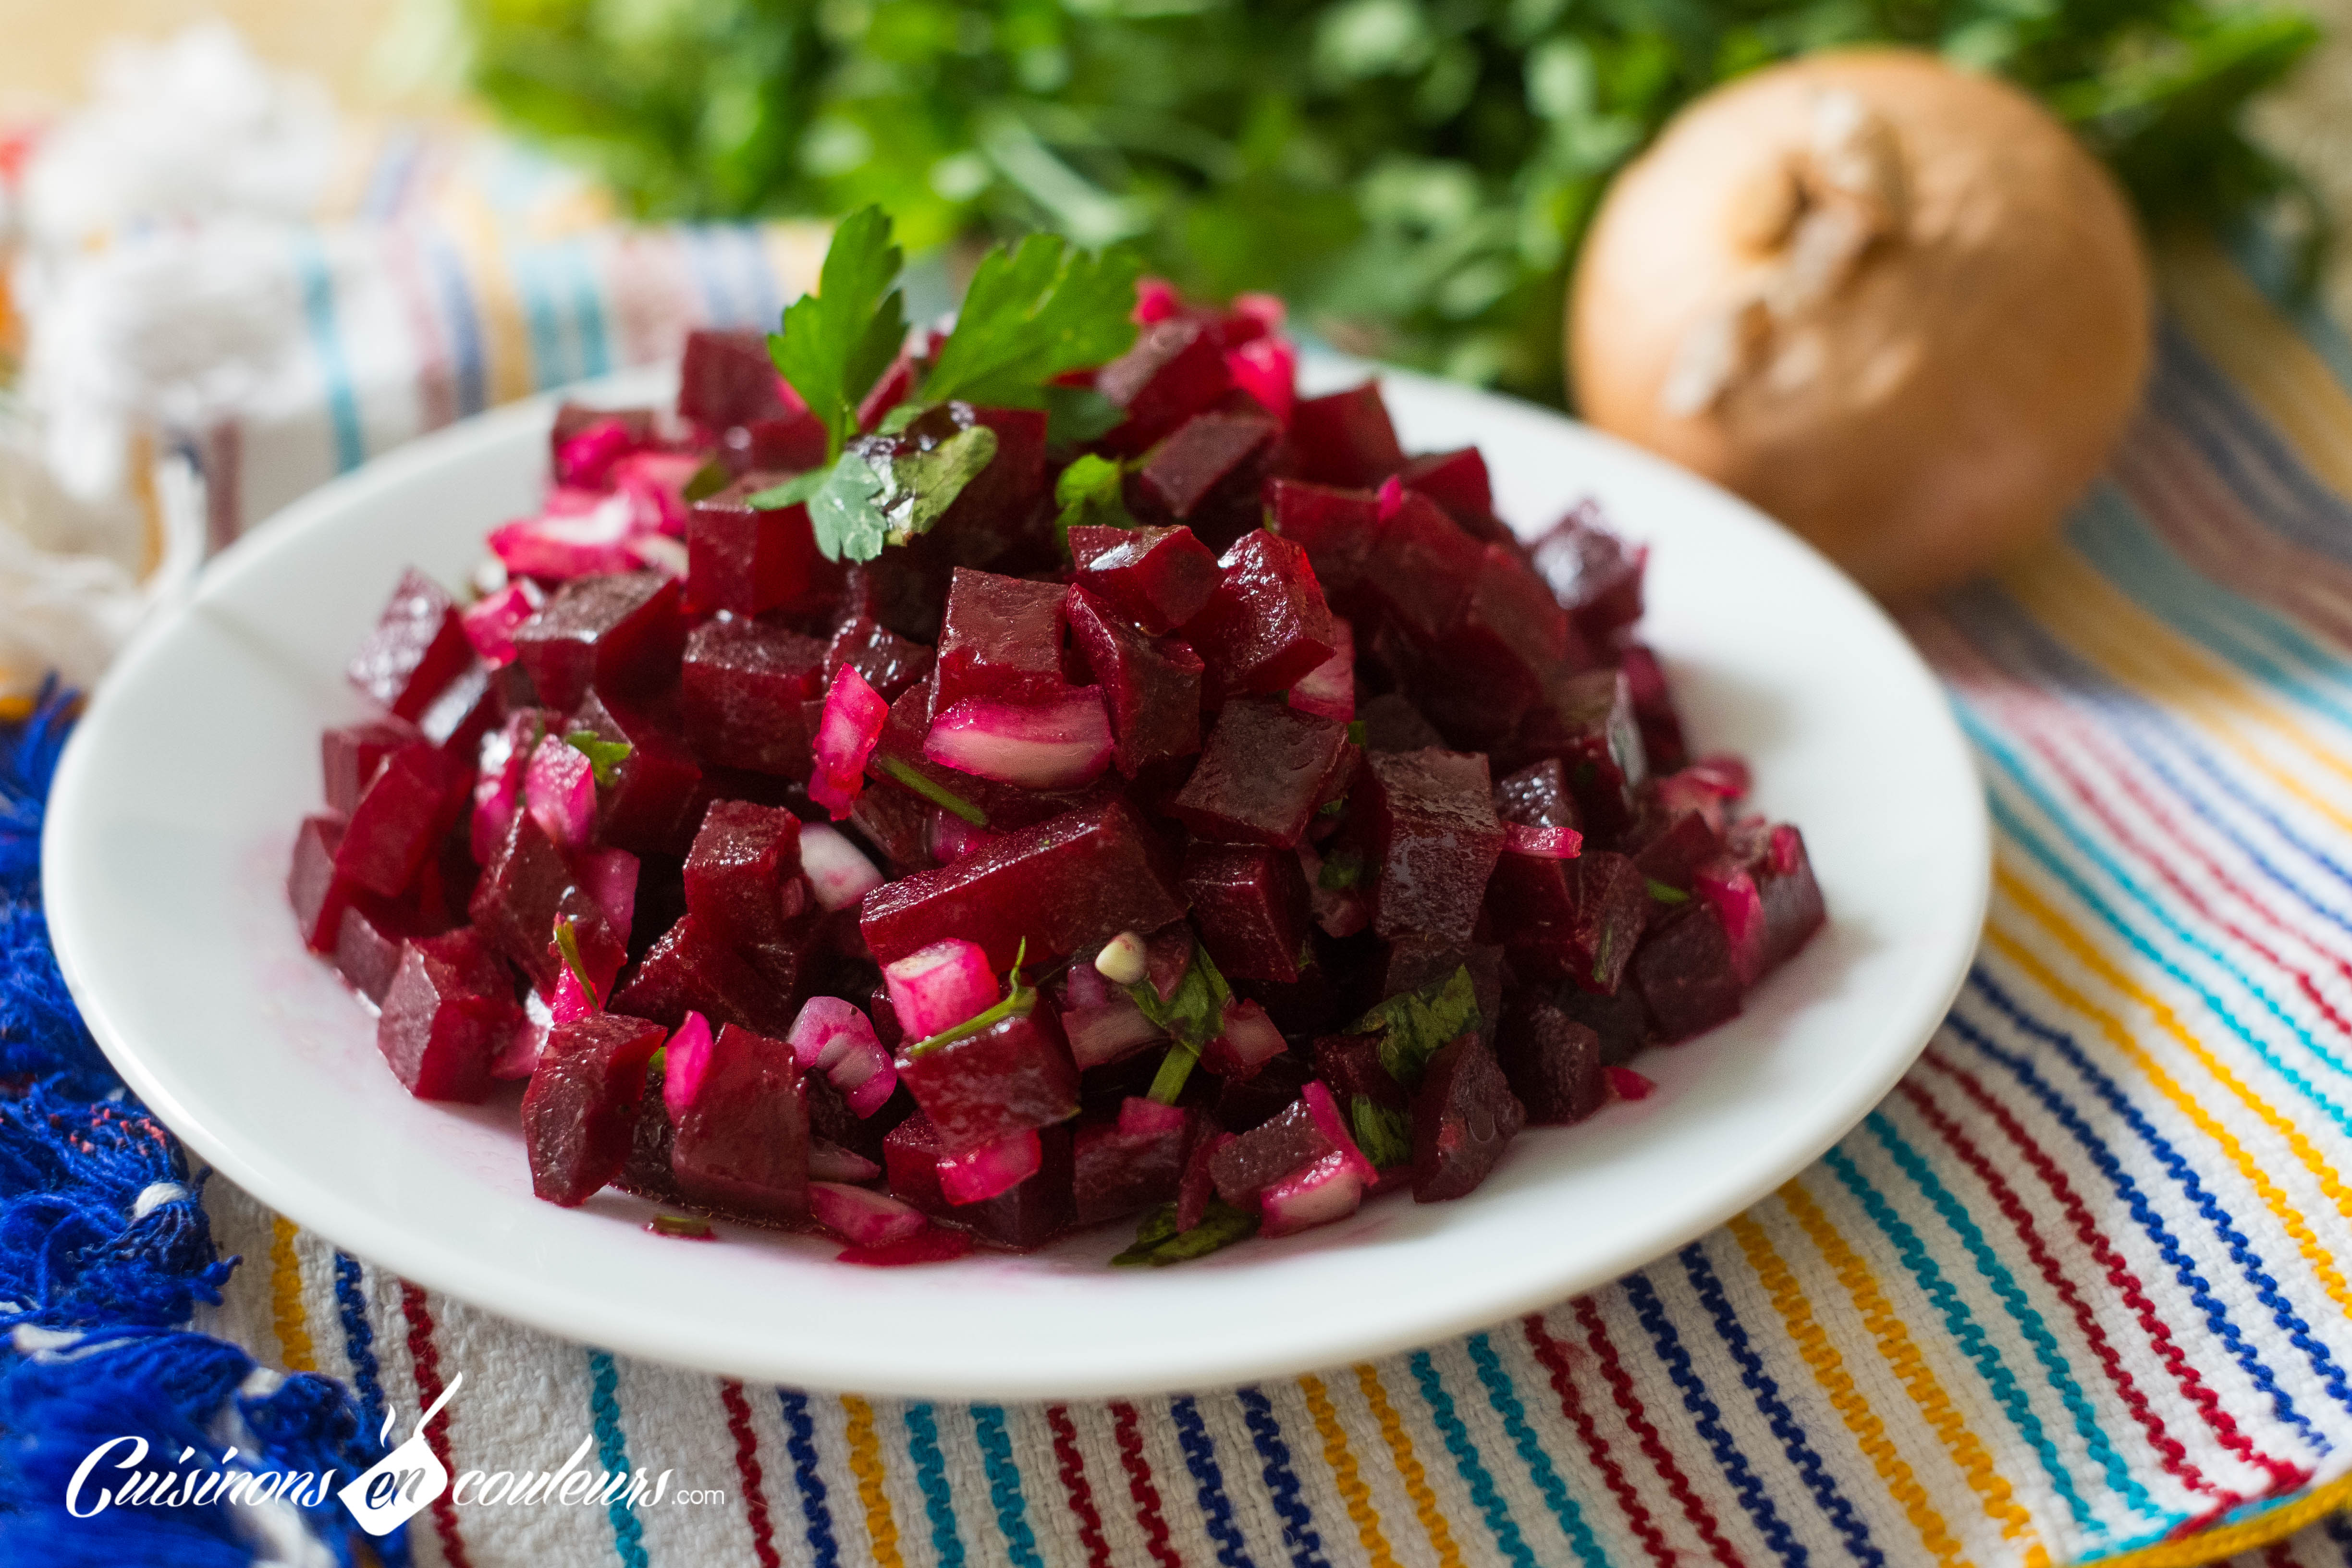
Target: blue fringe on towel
{"x": 104, "y": 1253}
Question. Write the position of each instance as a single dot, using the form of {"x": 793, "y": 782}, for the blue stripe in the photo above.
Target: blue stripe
{"x": 1298, "y": 1533}
{"x": 550, "y": 366}
{"x": 1490, "y": 1502}
{"x": 359, "y": 1342}
{"x": 2236, "y": 441}
{"x": 587, "y": 310}
{"x": 2022, "y": 1311}
{"x": 1208, "y": 1482}
{"x": 319, "y": 311}
{"x": 465, "y": 327}
{"x": 2184, "y": 1175}
{"x": 1833, "y": 1503}
{"x": 1962, "y": 1325}
{"x": 1504, "y": 1395}
{"x": 808, "y": 1475}
{"x": 1651, "y": 1312}
{"x": 931, "y": 1475}
{"x": 613, "y": 1453}
{"x": 695, "y": 245}
{"x": 1005, "y": 1484}
{"x": 767, "y": 305}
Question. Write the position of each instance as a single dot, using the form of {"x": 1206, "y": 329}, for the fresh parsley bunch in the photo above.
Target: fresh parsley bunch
{"x": 1413, "y": 175}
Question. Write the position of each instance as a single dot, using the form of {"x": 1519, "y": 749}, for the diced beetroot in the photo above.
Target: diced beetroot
{"x": 829, "y": 1161}
{"x": 1462, "y": 1116}
{"x": 579, "y": 1113}
{"x": 743, "y": 874}
{"x": 937, "y": 987}
{"x": 1152, "y": 690}
{"x": 1265, "y": 1154}
{"x": 651, "y": 805}
{"x": 418, "y": 646}
{"x": 727, "y": 378}
{"x": 1261, "y": 775}
{"x": 910, "y": 1161}
{"x": 1586, "y": 721}
{"x": 749, "y": 561}
{"x": 1619, "y": 1021}
{"x": 1345, "y": 438}
{"x": 1595, "y": 576}
{"x": 1457, "y": 482}
{"x": 788, "y": 444}
{"x": 1248, "y": 1041}
{"x": 865, "y": 1219}
{"x": 991, "y": 1169}
{"x": 1251, "y": 905}
{"x": 1267, "y": 626}
{"x": 889, "y": 662}
{"x": 1421, "y": 575}
{"x": 1246, "y": 1102}
{"x": 414, "y": 798}
{"x": 521, "y": 897}
{"x": 1016, "y": 1074}
{"x": 1793, "y": 910}
{"x": 740, "y": 689}
{"x": 854, "y": 716}
{"x": 1430, "y": 840}
{"x": 350, "y": 754}
{"x": 1207, "y": 471}
{"x": 689, "y": 970}
{"x": 369, "y": 937}
{"x": 505, "y": 753}
{"x": 1543, "y": 843}
{"x": 1511, "y": 643}
{"x": 1130, "y": 1163}
{"x": 1338, "y": 527}
{"x": 1671, "y": 851}
{"x": 831, "y": 1037}
{"x": 621, "y": 634}
{"x": 1537, "y": 797}
{"x": 1391, "y": 724}
{"x": 1175, "y": 369}
{"x": 1329, "y": 691}
{"x": 1197, "y": 1184}
{"x": 1035, "y": 1211}
{"x": 1553, "y": 1062}
{"x": 318, "y": 894}
{"x": 490, "y": 621}
{"x": 1001, "y": 640}
{"x": 1684, "y": 972}
{"x": 1575, "y": 920}
{"x": 1653, "y": 709}
{"x": 472, "y": 705}
{"x": 837, "y": 869}
{"x": 558, "y": 789}
{"x": 449, "y": 1010}
{"x": 1060, "y": 742}
{"x": 1350, "y": 1066}
{"x": 1725, "y": 886}
{"x": 742, "y": 1131}
{"x": 1067, "y": 885}
{"x": 1268, "y": 370}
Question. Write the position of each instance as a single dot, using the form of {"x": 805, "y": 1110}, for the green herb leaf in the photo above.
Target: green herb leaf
{"x": 930, "y": 789}
{"x": 706, "y": 481}
{"x": 567, "y": 942}
{"x": 1332, "y": 807}
{"x": 1175, "y": 1072}
{"x": 1031, "y": 314}
{"x": 836, "y": 341}
{"x": 1091, "y": 493}
{"x": 794, "y": 491}
{"x": 842, "y": 513}
{"x": 687, "y": 1225}
{"x": 856, "y": 508}
{"x": 1194, "y": 1015}
{"x": 1016, "y": 1001}
{"x": 920, "y": 486}
{"x": 1383, "y": 1132}
{"x": 1666, "y": 893}
{"x": 1158, "y": 1242}
{"x": 1358, "y": 732}
{"x": 1415, "y": 1025}
{"x": 604, "y": 757}
{"x": 1344, "y": 869}
{"x": 1076, "y": 416}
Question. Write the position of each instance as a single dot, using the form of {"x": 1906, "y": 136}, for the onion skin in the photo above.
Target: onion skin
{"x": 1936, "y": 408}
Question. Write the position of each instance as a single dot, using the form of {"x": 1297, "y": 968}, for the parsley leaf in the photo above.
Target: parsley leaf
{"x": 1193, "y": 1014}
{"x": 1665, "y": 892}
{"x": 1019, "y": 999}
{"x": 1343, "y": 870}
{"x": 1158, "y": 1242}
{"x": 567, "y": 942}
{"x": 842, "y": 512}
{"x": 930, "y": 789}
{"x": 604, "y": 757}
{"x": 1415, "y": 1025}
{"x": 838, "y": 340}
{"x": 1031, "y": 314}
{"x": 794, "y": 491}
{"x": 1383, "y": 1132}
{"x": 918, "y": 487}
{"x": 1091, "y": 493}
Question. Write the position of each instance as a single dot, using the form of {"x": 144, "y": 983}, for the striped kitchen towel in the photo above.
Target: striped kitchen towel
{"x": 2079, "y": 1291}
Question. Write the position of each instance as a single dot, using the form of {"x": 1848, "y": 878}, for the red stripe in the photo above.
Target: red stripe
{"x": 1554, "y": 1356}
{"x": 2175, "y": 1457}
{"x": 1074, "y": 1483}
{"x": 747, "y": 1471}
{"x": 1620, "y": 1386}
{"x": 427, "y": 1360}
{"x": 1126, "y": 1428}
{"x": 2284, "y": 1476}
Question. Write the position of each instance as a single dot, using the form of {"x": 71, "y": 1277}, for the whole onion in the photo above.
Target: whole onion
{"x": 1892, "y": 302}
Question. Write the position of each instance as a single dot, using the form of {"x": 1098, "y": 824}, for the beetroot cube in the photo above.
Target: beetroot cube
{"x": 619, "y": 432}
{"x": 319, "y": 893}
{"x": 749, "y": 561}
{"x": 472, "y": 705}
{"x": 1251, "y": 907}
{"x": 620, "y": 633}
{"x": 910, "y": 1164}
{"x": 1067, "y": 885}
{"x": 1244, "y": 1103}
{"x": 1127, "y": 1164}
{"x": 656, "y": 791}
{"x": 1553, "y": 1062}
{"x": 1350, "y": 1068}
{"x": 727, "y": 378}
{"x": 742, "y": 1140}
{"x": 689, "y": 970}
{"x": 1421, "y": 573}
{"x": 1159, "y": 578}
{"x": 521, "y": 897}
{"x": 1783, "y": 873}
{"x": 1176, "y": 369}
{"x": 1464, "y": 1115}
{"x": 579, "y": 1113}
{"x": 1345, "y": 438}
{"x": 1672, "y": 846}
{"x": 997, "y": 506}
{"x": 1002, "y": 638}
{"x": 889, "y": 662}
{"x": 1512, "y": 637}
{"x": 1684, "y": 972}
{"x": 1338, "y": 529}
{"x": 1572, "y": 920}
{"x": 1012, "y": 1076}
{"x": 743, "y": 880}
{"x": 740, "y": 687}
{"x": 1537, "y": 796}
{"x": 1152, "y": 689}
{"x": 1617, "y": 1020}
{"x": 1595, "y": 576}
{"x": 1653, "y": 709}
{"x": 401, "y": 817}
{"x": 1586, "y": 721}
{"x": 788, "y": 444}
{"x": 1430, "y": 840}
{"x": 1034, "y": 1212}
{"x": 1266, "y": 624}
{"x": 1458, "y": 483}
{"x": 349, "y": 755}
{"x": 447, "y": 1013}
{"x": 1391, "y": 724}
{"x": 368, "y": 941}
{"x": 1261, "y": 775}
{"x": 1267, "y": 1153}
{"x": 417, "y": 648}
{"x": 1207, "y": 471}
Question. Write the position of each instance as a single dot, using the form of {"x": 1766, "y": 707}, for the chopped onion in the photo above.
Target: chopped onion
{"x": 559, "y": 789}
{"x": 829, "y": 1161}
{"x": 837, "y": 869}
{"x": 854, "y": 716}
{"x": 833, "y": 1037}
{"x": 576, "y": 532}
{"x": 1543, "y": 843}
{"x": 1249, "y": 1040}
{"x": 497, "y": 789}
{"x": 685, "y": 1059}
{"x": 1325, "y": 1111}
{"x": 977, "y": 1174}
{"x": 937, "y": 987}
{"x": 610, "y": 877}
{"x": 863, "y": 1217}
{"x": 1267, "y": 369}
{"x": 1329, "y": 1189}
{"x": 1054, "y": 745}
{"x": 490, "y": 621}
{"x": 1731, "y": 893}
{"x": 1107, "y": 1031}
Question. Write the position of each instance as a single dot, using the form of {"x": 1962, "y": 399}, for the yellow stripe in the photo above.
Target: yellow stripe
{"x": 2018, "y": 951}
{"x": 866, "y": 1463}
{"x": 13, "y": 709}
{"x": 506, "y": 345}
{"x": 1895, "y": 1347}
{"x": 1417, "y": 1482}
{"x": 2228, "y": 1540}
{"x": 294, "y": 1345}
{"x": 1342, "y": 1460}
{"x": 1829, "y": 1371}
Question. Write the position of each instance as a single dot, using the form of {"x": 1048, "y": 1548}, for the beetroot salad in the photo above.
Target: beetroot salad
{"x": 968, "y": 784}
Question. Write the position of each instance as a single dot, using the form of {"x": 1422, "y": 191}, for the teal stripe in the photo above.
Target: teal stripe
{"x": 1474, "y": 1472}
{"x": 2022, "y": 1311}
{"x": 319, "y": 313}
{"x": 587, "y": 310}
{"x": 1005, "y": 1484}
{"x": 931, "y": 1475}
{"x": 613, "y": 1453}
{"x": 1504, "y": 1395}
{"x": 549, "y": 363}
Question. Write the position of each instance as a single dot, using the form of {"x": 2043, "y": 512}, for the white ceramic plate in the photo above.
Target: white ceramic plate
{"x": 168, "y": 841}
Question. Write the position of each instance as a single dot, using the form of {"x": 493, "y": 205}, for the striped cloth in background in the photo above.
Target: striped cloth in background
{"x": 2076, "y": 1292}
